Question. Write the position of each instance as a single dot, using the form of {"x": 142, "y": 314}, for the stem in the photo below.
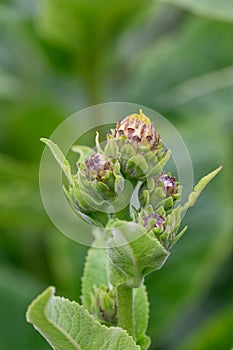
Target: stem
{"x": 125, "y": 309}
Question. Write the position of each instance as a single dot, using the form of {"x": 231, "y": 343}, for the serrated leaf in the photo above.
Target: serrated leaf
{"x": 67, "y": 325}
{"x": 200, "y": 187}
{"x": 60, "y": 158}
{"x": 95, "y": 275}
{"x": 133, "y": 254}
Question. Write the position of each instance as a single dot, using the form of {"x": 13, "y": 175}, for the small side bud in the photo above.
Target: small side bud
{"x": 100, "y": 169}
{"x": 96, "y": 166}
{"x": 168, "y": 183}
{"x": 161, "y": 191}
{"x": 103, "y": 305}
{"x": 154, "y": 221}
{"x": 98, "y": 183}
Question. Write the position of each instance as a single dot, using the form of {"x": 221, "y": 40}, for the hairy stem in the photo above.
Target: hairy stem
{"x": 125, "y": 309}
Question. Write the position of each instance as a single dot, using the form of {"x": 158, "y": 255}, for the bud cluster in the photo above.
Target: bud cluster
{"x": 137, "y": 240}
{"x": 133, "y": 152}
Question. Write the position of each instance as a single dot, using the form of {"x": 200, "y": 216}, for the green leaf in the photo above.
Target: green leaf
{"x": 60, "y": 158}
{"x": 111, "y": 149}
{"x": 141, "y": 316}
{"x": 83, "y": 151}
{"x": 67, "y": 325}
{"x": 179, "y": 235}
{"x": 222, "y": 10}
{"x": 95, "y": 271}
{"x": 133, "y": 253}
{"x": 91, "y": 218}
{"x": 95, "y": 275}
{"x": 137, "y": 165}
{"x": 158, "y": 168}
{"x": 200, "y": 187}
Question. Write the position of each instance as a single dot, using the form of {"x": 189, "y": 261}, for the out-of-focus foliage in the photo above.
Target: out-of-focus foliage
{"x": 57, "y": 57}
{"x": 222, "y": 10}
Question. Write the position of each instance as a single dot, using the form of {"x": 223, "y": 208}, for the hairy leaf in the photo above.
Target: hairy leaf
{"x": 200, "y": 187}
{"x": 67, "y": 325}
{"x": 141, "y": 316}
{"x": 83, "y": 151}
{"x": 95, "y": 271}
{"x": 133, "y": 254}
{"x": 95, "y": 275}
{"x": 60, "y": 158}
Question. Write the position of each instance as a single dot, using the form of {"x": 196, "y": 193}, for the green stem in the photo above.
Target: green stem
{"x": 125, "y": 309}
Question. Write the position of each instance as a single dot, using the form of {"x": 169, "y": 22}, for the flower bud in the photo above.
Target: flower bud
{"x": 154, "y": 221}
{"x": 164, "y": 226}
{"x": 99, "y": 182}
{"x": 100, "y": 169}
{"x": 161, "y": 191}
{"x": 97, "y": 188}
{"x": 137, "y": 146}
{"x": 168, "y": 183}
{"x": 103, "y": 305}
{"x": 139, "y": 129}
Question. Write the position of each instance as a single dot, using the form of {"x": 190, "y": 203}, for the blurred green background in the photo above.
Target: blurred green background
{"x": 175, "y": 56}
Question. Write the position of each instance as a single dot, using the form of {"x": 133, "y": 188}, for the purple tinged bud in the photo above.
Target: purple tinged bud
{"x": 168, "y": 183}
{"x": 96, "y": 167}
{"x": 158, "y": 221}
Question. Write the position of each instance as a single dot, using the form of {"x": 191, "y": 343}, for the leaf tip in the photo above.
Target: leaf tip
{"x": 211, "y": 175}
{"x": 46, "y": 294}
{"x": 220, "y": 168}
{"x": 44, "y": 140}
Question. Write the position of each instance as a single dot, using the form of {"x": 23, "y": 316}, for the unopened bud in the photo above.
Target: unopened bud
{"x": 154, "y": 221}
{"x": 168, "y": 184}
{"x": 103, "y": 305}
{"x": 96, "y": 167}
{"x": 139, "y": 129}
